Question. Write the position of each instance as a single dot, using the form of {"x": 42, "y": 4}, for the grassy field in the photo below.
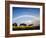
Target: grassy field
{"x": 26, "y": 27}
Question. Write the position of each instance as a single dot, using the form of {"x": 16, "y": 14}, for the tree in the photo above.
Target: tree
{"x": 30, "y": 24}
{"x": 15, "y": 24}
{"x": 22, "y": 24}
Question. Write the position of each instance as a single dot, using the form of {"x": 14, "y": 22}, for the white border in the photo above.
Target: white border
{"x": 26, "y": 31}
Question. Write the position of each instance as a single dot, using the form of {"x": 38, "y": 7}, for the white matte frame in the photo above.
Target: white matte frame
{"x": 25, "y": 31}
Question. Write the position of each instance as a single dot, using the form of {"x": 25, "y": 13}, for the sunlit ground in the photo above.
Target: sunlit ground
{"x": 26, "y": 28}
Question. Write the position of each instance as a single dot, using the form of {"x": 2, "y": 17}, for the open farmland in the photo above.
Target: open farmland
{"x": 26, "y": 28}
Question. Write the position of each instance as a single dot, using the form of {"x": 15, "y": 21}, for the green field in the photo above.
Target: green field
{"x": 22, "y": 27}
{"x": 25, "y": 27}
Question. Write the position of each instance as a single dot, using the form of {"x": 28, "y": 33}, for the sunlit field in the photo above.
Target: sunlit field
{"x": 26, "y": 28}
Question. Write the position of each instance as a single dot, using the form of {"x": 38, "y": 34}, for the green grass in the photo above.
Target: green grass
{"x": 22, "y": 27}
{"x": 25, "y": 27}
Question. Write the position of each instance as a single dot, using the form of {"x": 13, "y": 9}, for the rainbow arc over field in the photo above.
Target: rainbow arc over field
{"x": 25, "y": 15}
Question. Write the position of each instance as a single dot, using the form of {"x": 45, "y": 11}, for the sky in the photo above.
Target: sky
{"x": 24, "y": 14}
{"x": 17, "y": 11}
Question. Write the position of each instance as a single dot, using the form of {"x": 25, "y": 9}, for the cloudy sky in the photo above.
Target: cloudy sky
{"x": 25, "y": 14}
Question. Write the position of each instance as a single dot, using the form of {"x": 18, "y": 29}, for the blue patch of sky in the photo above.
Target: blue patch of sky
{"x": 19, "y": 11}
